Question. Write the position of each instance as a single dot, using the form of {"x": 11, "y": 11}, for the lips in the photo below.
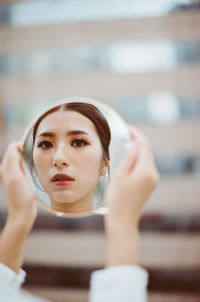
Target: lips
{"x": 61, "y": 178}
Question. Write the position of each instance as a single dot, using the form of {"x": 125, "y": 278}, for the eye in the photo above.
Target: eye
{"x": 79, "y": 143}
{"x": 45, "y": 145}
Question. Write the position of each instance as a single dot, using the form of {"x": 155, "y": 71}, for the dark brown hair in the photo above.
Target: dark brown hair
{"x": 93, "y": 114}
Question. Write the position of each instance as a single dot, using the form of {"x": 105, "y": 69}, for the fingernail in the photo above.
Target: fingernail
{"x": 132, "y": 144}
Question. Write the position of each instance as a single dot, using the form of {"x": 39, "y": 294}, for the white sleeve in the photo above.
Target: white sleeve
{"x": 9, "y": 278}
{"x": 10, "y": 286}
{"x": 119, "y": 284}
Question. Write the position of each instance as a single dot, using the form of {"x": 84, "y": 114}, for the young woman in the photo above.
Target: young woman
{"x": 122, "y": 279}
{"x": 70, "y": 154}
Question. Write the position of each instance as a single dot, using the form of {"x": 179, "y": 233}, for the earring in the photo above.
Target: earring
{"x": 104, "y": 171}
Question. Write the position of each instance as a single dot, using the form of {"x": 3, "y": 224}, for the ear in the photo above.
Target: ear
{"x": 104, "y": 168}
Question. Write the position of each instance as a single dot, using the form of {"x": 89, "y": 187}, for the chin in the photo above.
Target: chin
{"x": 62, "y": 197}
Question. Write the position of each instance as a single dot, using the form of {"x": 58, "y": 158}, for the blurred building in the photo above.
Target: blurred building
{"x": 143, "y": 59}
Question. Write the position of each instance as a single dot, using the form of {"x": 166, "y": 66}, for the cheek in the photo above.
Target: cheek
{"x": 40, "y": 160}
{"x": 91, "y": 161}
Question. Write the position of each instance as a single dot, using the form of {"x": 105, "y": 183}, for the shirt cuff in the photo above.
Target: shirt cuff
{"x": 119, "y": 283}
{"x": 11, "y": 279}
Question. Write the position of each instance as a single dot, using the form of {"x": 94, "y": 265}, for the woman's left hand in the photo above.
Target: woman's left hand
{"x": 131, "y": 185}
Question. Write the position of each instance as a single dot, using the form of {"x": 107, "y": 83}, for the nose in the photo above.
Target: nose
{"x": 60, "y": 158}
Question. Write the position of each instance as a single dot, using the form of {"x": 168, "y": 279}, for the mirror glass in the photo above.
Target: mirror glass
{"x": 71, "y": 149}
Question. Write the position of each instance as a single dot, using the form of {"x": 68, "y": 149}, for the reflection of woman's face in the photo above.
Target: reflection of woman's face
{"x": 67, "y": 156}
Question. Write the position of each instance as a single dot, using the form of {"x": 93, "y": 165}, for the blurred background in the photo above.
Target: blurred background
{"x": 143, "y": 59}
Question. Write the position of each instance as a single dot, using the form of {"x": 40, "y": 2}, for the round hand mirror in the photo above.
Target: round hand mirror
{"x": 71, "y": 149}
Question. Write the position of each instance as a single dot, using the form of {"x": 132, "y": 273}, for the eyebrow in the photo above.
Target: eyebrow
{"x": 72, "y": 132}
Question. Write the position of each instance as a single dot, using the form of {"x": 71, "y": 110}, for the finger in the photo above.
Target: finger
{"x": 8, "y": 155}
{"x": 146, "y": 167}
{"x": 20, "y": 155}
{"x": 20, "y": 147}
{"x": 25, "y": 170}
{"x": 145, "y": 146}
{"x": 22, "y": 165}
{"x": 135, "y": 133}
{"x": 129, "y": 159}
{"x": 12, "y": 160}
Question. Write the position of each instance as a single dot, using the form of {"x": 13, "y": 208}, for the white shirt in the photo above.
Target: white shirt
{"x": 114, "y": 284}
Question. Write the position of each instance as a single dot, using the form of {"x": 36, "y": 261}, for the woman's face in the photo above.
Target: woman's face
{"x": 67, "y": 156}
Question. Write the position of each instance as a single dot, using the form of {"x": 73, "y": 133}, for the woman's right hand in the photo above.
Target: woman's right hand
{"x": 18, "y": 187}
{"x": 22, "y": 209}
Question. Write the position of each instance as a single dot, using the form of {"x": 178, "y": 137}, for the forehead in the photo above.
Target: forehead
{"x": 66, "y": 120}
